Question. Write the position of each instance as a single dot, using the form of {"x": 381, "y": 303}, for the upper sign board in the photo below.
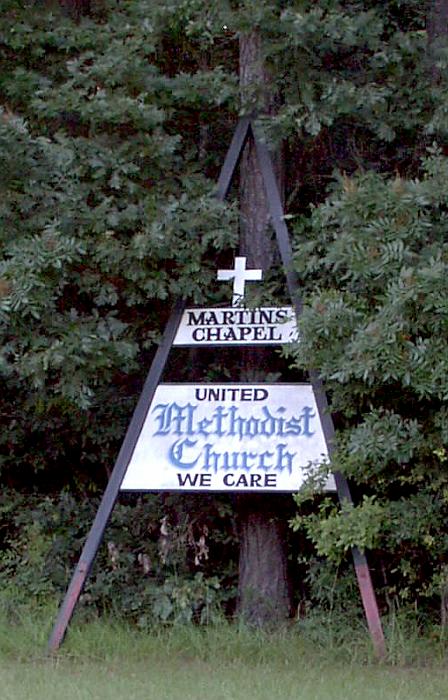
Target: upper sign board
{"x": 237, "y": 326}
{"x": 228, "y": 437}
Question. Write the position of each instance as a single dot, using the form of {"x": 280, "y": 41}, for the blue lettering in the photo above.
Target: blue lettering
{"x": 220, "y": 414}
{"x": 211, "y": 459}
{"x": 203, "y": 425}
{"x": 307, "y": 414}
{"x": 284, "y": 458}
{"x": 236, "y": 423}
{"x": 177, "y": 454}
{"x": 173, "y": 418}
{"x": 263, "y": 457}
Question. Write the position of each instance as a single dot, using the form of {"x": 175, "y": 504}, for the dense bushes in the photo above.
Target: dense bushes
{"x": 158, "y": 562}
{"x": 374, "y": 260}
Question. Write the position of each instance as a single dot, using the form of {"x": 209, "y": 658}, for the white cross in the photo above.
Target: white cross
{"x": 240, "y": 276}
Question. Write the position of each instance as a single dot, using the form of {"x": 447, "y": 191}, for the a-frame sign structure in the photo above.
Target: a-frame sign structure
{"x": 227, "y": 436}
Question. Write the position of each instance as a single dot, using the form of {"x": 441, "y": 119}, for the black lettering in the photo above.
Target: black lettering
{"x": 281, "y": 315}
{"x": 259, "y": 333}
{"x": 260, "y": 394}
{"x": 227, "y": 318}
{"x": 229, "y": 334}
{"x": 266, "y": 315}
{"x": 272, "y": 335}
{"x": 187, "y": 479}
{"x": 198, "y": 335}
{"x": 270, "y": 480}
{"x": 253, "y": 316}
{"x": 244, "y": 332}
{"x": 196, "y": 319}
{"x": 226, "y": 480}
{"x": 205, "y": 480}
{"x": 212, "y": 319}
{"x": 213, "y": 334}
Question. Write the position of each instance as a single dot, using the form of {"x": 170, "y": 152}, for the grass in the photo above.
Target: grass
{"x": 107, "y": 659}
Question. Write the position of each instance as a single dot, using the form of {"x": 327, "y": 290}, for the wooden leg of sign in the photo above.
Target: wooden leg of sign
{"x": 95, "y": 535}
{"x": 232, "y": 158}
{"x": 364, "y": 578}
{"x": 369, "y": 603}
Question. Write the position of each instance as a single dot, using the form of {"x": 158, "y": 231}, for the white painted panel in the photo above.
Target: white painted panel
{"x": 237, "y": 326}
{"x": 228, "y": 437}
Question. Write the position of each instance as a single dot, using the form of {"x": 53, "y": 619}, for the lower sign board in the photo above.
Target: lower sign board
{"x": 228, "y": 437}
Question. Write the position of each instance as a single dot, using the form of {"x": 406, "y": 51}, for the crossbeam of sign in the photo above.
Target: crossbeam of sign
{"x": 240, "y": 276}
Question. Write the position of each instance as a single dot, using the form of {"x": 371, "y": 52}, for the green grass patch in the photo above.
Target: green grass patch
{"x": 109, "y": 659}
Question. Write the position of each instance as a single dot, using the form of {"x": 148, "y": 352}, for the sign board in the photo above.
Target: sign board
{"x": 228, "y": 437}
{"x": 237, "y": 326}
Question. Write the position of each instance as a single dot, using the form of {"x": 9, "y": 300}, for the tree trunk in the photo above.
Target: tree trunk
{"x": 255, "y": 243}
{"x": 263, "y": 592}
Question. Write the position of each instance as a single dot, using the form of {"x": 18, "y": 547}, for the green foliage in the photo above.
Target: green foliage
{"x": 156, "y": 565}
{"x": 375, "y": 325}
{"x": 336, "y": 531}
{"x": 104, "y": 220}
{"x": 358, "y": 68}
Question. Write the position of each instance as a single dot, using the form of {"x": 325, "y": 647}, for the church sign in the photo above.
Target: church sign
{"x": 228, "y": 437}
{"x": 237, "y": 326}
